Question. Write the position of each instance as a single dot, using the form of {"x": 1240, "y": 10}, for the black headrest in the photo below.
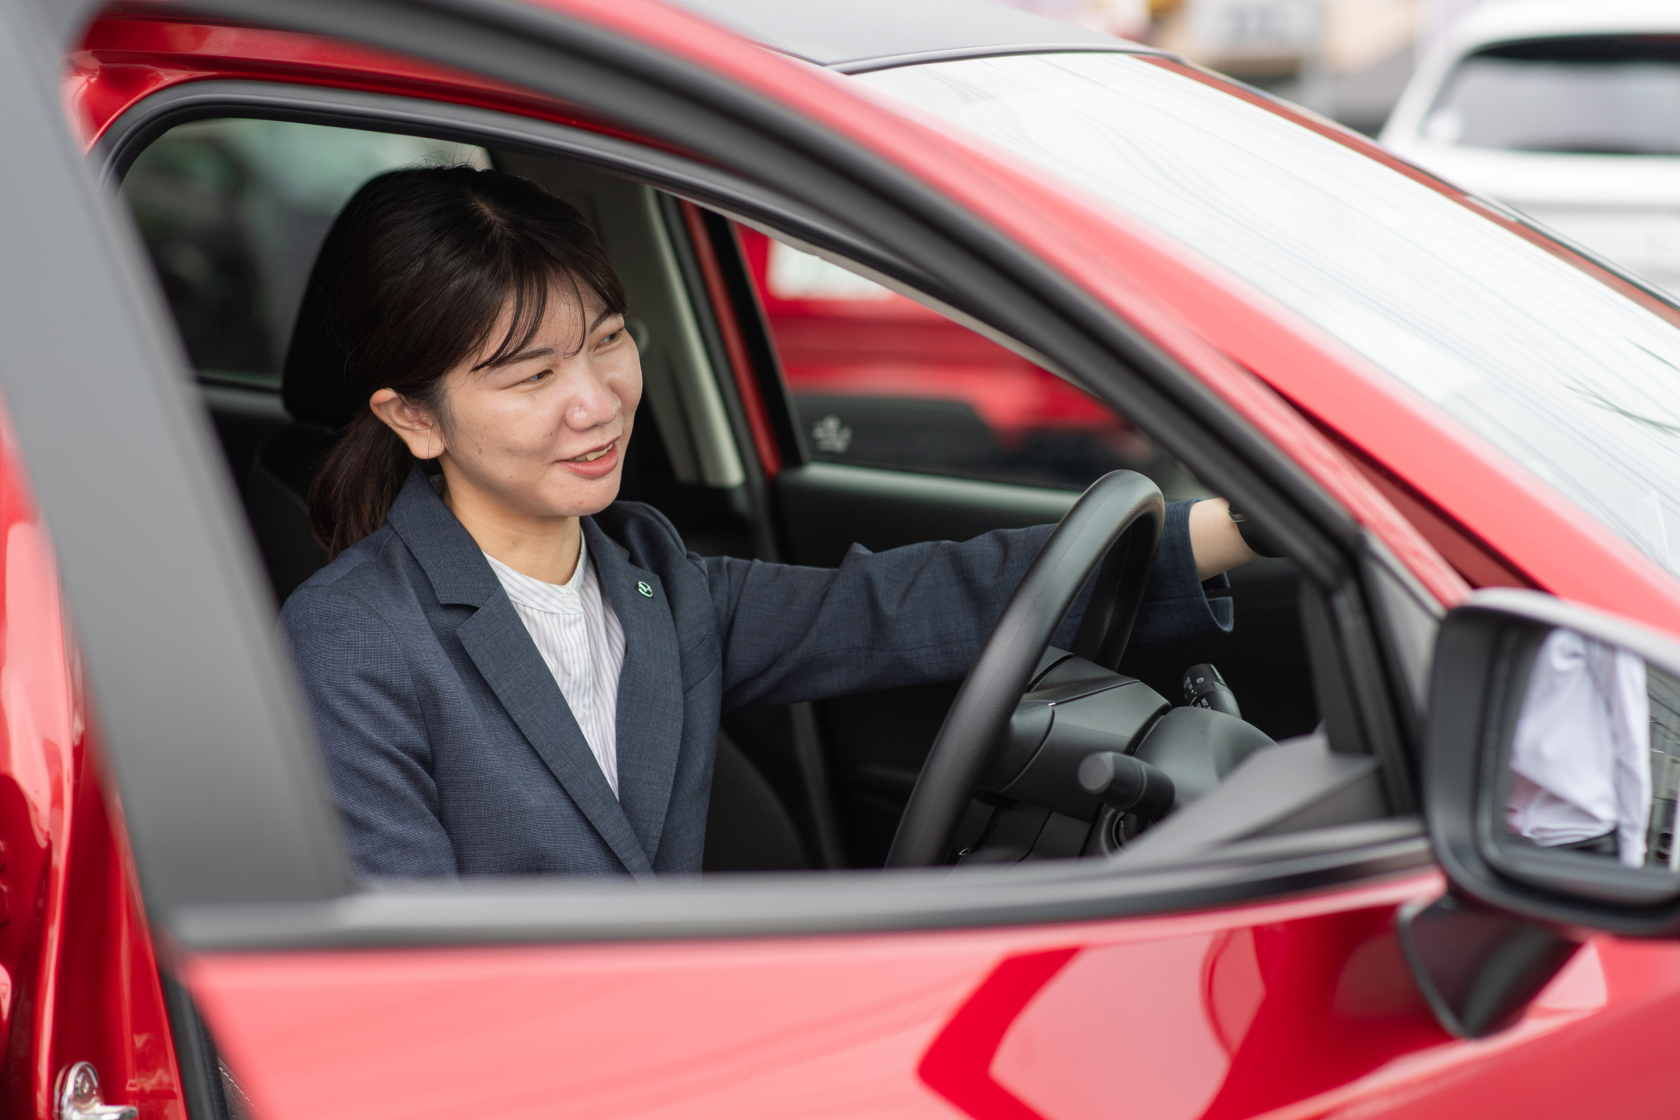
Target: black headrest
{"x": 317, "y": 384}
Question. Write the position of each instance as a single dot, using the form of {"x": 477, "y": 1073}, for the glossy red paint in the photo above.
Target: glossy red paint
{"x": 838, "y": 1026}
{"x": 78, "y": 978}
{"x": 958, "y": 1063}
{"x": 1294, "y": 1009}
{"x": 123, "y": 59}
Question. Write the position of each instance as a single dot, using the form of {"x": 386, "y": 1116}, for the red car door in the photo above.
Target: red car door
{"x": 1242, "y": 982}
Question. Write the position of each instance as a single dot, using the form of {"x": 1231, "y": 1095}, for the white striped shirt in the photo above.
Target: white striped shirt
{"x": 582, "y": 644}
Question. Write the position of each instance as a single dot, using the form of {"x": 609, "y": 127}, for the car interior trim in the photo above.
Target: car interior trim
{"x": 1408, "y": 619}
{"x": 766, "y": 540}
{"x": 746, "y": 307}
{"x": 738, "y": 361}
{"x": 1378, "y": 688}
{"x": 715, "y": 447}
{"x": 1014, "y": 505}
{"x": 1271, "y": 791}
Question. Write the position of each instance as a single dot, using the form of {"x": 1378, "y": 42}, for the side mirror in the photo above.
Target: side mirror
{"x": 1549, "y": 775}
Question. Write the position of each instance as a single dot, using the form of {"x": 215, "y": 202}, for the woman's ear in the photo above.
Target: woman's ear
{"x": 413, "y": 424}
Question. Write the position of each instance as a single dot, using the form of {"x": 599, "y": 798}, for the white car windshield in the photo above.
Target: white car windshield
{"x": 1571, "y": 378}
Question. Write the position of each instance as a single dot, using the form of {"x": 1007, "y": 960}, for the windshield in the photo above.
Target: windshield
{"x": 1604, "y": 94}
{"x": 1569, "y": 377}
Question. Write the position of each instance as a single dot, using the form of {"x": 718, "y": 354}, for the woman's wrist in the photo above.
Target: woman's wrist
{"x": 1215, "y": 540}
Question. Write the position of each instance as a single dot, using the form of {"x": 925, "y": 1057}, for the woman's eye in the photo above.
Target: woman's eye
{"x": 538, "y": 378}
{"x": 609, "y": 339}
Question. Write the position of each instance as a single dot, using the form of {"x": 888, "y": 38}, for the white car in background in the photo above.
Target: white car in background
{"x": 1568, "y": 110}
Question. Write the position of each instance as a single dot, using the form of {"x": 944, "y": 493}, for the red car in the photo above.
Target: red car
{"x": 1070, "y": 256}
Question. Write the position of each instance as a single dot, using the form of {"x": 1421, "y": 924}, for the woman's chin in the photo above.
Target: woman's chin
{"x": 582, "y": 497}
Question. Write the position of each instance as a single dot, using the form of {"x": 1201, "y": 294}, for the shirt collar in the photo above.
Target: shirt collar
{"x": 556, "y": 598}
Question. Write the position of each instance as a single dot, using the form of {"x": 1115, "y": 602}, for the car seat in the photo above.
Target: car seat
{"x": 321, "y": 396}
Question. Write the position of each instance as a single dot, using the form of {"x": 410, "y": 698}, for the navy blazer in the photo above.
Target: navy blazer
{"x": 452, "y": 751}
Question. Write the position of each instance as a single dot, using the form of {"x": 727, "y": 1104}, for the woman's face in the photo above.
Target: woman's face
{"x": 542, "y": 433}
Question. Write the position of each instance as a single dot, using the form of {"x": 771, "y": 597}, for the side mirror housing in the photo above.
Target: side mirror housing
{"x": 1550, "y": 767}
{"x": 1550, "y": 762}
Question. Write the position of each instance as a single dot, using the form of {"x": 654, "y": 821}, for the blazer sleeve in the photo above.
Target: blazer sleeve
{"x": 912, "y": 615}
{"x": 371, "y": 730}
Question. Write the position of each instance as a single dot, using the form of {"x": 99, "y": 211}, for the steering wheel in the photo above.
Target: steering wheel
{"x": 1123, "y": 504}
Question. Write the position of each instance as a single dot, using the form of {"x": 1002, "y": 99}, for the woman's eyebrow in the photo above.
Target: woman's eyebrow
{"x": 530, "y": 352}
{"x": 524, "y": 355}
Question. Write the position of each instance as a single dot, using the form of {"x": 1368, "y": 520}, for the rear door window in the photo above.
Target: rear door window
{"x": 233, "y": 211}
{"x": 879, "y": 380}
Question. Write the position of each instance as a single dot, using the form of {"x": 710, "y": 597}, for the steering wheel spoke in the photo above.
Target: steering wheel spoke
{"x": 1055, "y": 729}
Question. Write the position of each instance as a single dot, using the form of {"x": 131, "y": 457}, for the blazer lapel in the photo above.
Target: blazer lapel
{"x": 505, "y": 655}
{"x": 650, "y": 697}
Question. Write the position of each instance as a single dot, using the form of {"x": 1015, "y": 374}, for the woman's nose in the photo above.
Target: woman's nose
{"x": 593, "y": 404}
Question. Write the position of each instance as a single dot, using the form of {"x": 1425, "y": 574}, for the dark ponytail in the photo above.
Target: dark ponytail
{"x": 411, "y": 280}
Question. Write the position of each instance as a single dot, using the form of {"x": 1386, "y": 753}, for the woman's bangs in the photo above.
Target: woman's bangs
{"x": 530, "y": 292}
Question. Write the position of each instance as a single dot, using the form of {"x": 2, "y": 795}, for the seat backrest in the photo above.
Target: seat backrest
{"x": 747, "y": 826}
{"x": 276, "y": 493}
{"x": 321, "y": 393}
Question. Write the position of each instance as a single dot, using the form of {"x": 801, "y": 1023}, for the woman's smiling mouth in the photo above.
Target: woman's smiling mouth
{"x": 598, "y": 463}
{"x": 591, "y": 456}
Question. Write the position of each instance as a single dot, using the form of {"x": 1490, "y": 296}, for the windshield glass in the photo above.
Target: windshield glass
{"x": 1569, "y": 377}
{"x": 1603, "y": 94}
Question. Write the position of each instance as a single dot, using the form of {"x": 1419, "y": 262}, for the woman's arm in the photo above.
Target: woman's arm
{"x": 1215, "y": 540}
{"x": 369, "y": 725}
{"x": 919, "y": 613}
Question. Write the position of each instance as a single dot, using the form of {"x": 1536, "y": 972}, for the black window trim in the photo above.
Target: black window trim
{"x": 802, "y": 904}
{"x": 303, "y": 894}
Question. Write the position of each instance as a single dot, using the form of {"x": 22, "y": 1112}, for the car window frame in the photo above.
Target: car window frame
{"x": 324, "y": 908}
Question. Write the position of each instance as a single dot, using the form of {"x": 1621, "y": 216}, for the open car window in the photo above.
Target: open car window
{"x": 936, "y": 431}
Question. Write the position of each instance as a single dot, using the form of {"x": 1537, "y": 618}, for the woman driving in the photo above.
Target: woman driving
{"x": 511, "y": 672}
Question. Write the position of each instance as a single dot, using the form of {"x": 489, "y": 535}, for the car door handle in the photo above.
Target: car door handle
{"x": 79, "y": 1099}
